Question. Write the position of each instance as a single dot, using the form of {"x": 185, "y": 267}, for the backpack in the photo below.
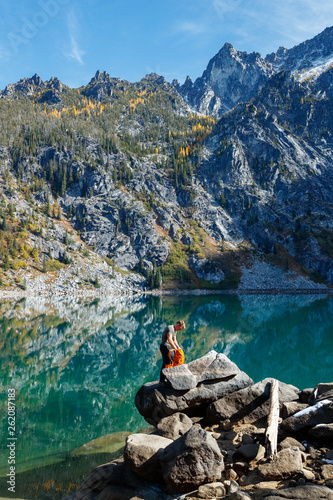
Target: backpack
{"x": 178, "y": 358}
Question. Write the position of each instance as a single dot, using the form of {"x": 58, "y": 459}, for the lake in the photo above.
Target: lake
{"x": 77, "y": 364}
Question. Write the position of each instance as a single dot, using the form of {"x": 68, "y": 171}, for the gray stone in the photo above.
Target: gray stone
{"x": 289, "y": 408}
{"x": 142, "y": 454}
{"x": 304, "y": 395}
{"x": 212, "y": 366}
{"x": 191, "y": 460}
{"x": 211, "y": 490}
{"x": 239, "y": 495}
{"x": 289, "y": 442}
{"x": 326, "y": 471}
{"x": 321, "y": 413}
{"x": 307, "y": 492}
{"x": 322, "y": 432}
{"x": 287, "y": 463}
{"x": 248, "y": 452}
{"x": 320, "y": 392}
{"x": 155, "y": 402}
{"x": 248, "y": 405}
{"x": 174, "y": 426}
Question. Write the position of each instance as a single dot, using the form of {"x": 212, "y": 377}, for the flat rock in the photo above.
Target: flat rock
{"x": 192, "y": 460}
{"x": 174, "y": 426}
{"x": 307, "y": 492}
{"x": 287, "y": 463}
{"x": 250, "y": 404}
{"x": 320, "y": 413}
{"x": 212, "y": 490}
{"x": 142, "y": 453}
{"x": 212, "y": 366}
{"x": 289, "y": 442}
{"x": 155, "y": 402}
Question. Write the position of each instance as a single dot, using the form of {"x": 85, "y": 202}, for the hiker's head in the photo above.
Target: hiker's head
{"x": 179, "y": 325}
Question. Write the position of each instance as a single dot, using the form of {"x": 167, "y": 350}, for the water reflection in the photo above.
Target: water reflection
{"x": 76, "y": 365}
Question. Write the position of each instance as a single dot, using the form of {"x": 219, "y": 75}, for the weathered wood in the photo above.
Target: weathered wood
{"x": 272, "y": 421}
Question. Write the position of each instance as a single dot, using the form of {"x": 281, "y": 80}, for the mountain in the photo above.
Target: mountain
{"x": 123, "y": 185}
{"x": 232, "y": 76}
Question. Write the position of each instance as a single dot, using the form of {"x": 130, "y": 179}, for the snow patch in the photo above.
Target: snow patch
{"x": 315, "y": 407}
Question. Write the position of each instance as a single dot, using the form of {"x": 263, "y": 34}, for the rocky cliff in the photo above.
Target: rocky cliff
{"x": 186, "y": 186}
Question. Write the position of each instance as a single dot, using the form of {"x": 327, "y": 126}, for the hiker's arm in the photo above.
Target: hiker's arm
{"x": 176, "y": 343}
{"x": 171, "y": 341}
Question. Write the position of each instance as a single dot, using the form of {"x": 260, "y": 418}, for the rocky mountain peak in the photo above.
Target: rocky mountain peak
{"x": 306, "y": 55}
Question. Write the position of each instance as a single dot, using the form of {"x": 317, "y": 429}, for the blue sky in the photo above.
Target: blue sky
{"x": 72, "y": 39}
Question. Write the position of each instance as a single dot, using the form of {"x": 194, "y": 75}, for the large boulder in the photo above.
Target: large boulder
{"x": 192, "y": 460}
{"x": 320, "y": 413}
{"x": 212, "y": 366}
{"x": 155, "y": 401}
{"x": 174, "y": 426}
{"x": 142, "y": 454}
{"x": 320, "y": 392}
{"x": 307, "y": 492}
{"x": 287, "y": 462}
{"x": 249, "y": 404}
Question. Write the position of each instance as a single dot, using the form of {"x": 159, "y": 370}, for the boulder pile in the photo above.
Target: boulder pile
{"x": 209, "y": 440}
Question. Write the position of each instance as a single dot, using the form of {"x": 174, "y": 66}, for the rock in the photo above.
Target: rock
{"x": 115, "y": 472}
{"x": 211, "y": 490}
{"x": 321, "y": 413}
{"x": 241, "y": 468}
{"x": 287, "y": 462}
{"x": 249, "y": 452}
{"x": 231, "y": 474}
{"x": 155, "y": 402}
{"x": 327, "y": 471}
{"x": 306, "y": 492}
{"x": 142, "y": 454}
{"x": 329, "y": 455}
{"x": 174, "y": 426}
{"x": 308, "y": 475}
{"x": 289, "y": 408}
{"x": 289, "y": 442}
{"x": 248, "y": 405}
{"x": 304, "y": 395}
{"x": 320, "y": 392}
{"x": 239, "y": 495}
{"x": 191, "y": 460}
{"x": 212, "y": 366}
{"x": 246, "y": 439}
{"x": 233, "y": 487}
{"x": 322, "y": 432}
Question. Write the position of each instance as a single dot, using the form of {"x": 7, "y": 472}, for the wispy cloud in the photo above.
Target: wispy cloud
{"x": 73, "y": 52}
{"x": 191, "y": 28}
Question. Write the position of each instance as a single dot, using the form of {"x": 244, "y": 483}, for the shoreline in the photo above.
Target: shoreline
{"x": 168, "y": 292}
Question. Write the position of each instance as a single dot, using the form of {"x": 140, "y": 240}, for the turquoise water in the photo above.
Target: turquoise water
{"x": 76, "y": 366}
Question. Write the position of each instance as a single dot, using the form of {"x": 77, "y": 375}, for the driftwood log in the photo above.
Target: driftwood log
{"x": 272, "y": 421}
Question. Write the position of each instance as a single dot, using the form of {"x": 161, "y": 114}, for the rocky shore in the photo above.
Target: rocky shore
{"x": 209, "y": 440}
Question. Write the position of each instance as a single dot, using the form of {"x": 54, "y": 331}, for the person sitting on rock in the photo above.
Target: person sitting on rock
{"x": 169, "y": 345}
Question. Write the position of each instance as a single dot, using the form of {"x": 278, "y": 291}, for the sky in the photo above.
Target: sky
{"x": 72, "y": 39}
